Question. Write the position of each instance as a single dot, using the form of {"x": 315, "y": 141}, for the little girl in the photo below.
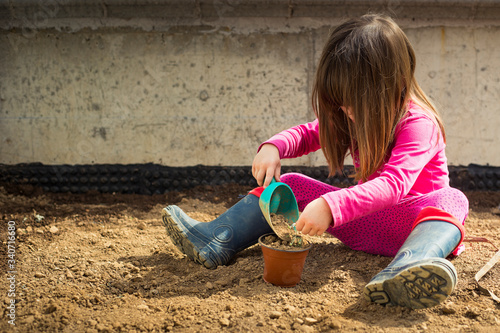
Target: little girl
{"x": 368, "y": 105}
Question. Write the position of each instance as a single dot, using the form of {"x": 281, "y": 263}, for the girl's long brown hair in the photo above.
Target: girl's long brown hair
{"x": 367, "y": 65}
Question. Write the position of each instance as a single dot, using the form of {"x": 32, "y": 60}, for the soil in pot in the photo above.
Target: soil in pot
{"x": 286, "y": 244}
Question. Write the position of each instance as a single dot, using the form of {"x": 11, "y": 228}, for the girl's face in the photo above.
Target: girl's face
{"x": 348, "y": 112}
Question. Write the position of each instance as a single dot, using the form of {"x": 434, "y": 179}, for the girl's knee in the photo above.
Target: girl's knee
{"x": 458, "y": 197}
{"x": 462, "y": 197}
{"x": 452, "y": 201}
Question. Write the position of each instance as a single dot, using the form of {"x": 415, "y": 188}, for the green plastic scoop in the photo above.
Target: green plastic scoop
{"x": 278, "y": 198}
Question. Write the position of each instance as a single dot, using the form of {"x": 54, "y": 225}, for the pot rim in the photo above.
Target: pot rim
{"x": 281, "y": 250}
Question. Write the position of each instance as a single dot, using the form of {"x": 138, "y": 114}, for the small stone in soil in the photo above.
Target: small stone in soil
{"x": 310, "y": 321}
{"x": 224, "y": 322}
{"x": 448, "y": 308}
{"x": 274, "y": 314}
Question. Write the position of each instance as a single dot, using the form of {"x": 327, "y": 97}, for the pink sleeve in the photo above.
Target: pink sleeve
{"x": 417, "y": 141}
{"x": 296, "y": 141}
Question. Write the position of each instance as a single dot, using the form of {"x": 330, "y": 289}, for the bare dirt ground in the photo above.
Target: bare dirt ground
{"x": 104, "y": 263}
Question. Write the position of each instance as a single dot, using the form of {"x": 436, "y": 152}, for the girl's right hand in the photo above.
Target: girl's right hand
{"x": 266, "y": 165}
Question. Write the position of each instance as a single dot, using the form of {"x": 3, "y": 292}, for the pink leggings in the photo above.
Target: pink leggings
{"x": 382, "y": 232}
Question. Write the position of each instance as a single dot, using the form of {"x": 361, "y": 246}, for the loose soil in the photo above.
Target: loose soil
{"x": 288, "y": 238}
{"x": 104, "y": 263}
{"x": 280, "y": 224}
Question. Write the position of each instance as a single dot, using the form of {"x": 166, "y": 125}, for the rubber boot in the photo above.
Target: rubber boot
{"x": 419, "y": 276}
{"x": 214, "y": 243}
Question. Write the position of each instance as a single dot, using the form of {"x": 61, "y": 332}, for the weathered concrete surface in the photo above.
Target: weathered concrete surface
{"x": 157, "y": 15}
{"x": 176, "y": 99}
{"x": 460, "y": 70}
{"x": 205, "y": 94}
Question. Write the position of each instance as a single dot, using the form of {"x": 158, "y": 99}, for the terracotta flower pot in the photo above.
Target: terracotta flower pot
{"x": 283, "y": 267}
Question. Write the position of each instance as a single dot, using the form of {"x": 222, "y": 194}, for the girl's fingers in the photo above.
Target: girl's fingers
{"x": 299, "y": 225}
{"x": 269, "y": 177}
{"x": 277, "y": 173}
{"x": 272, "y": 173}
{"x": 260, "y": 177}
{"x": 306, "y": 230}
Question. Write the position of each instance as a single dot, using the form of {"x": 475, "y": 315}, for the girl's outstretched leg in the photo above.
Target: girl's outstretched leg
{"x": 214, "y": 243}
{"x": 420, "y": 276}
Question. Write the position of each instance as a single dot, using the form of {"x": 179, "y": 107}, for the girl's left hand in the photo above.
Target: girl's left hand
{"x": 315, "y": 218}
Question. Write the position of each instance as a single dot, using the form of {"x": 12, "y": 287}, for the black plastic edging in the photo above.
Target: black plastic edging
{"x": 157, "y": 179}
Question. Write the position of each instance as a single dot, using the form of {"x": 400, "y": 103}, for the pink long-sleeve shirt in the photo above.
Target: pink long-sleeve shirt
{"x": 417, "y": 165}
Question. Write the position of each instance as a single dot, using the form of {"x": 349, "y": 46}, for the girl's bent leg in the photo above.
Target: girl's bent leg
{"x": 385, "y": 231}
{"x": 420, "y": 276}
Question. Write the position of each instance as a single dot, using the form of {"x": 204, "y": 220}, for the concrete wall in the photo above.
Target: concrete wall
{"x": 181, "y": 91}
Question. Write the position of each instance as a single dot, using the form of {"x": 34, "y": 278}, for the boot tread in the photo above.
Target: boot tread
{"x": 180, "y": 239}
{"x": 421, "y": 285}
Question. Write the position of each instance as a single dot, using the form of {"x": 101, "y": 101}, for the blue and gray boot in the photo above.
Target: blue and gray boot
{"x": 419, "y": 276}
{"x": 214, "y": 243}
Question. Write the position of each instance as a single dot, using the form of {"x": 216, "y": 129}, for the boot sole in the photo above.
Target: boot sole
{"x": 180, "y": 238}
{"x": 419, "y": 286}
